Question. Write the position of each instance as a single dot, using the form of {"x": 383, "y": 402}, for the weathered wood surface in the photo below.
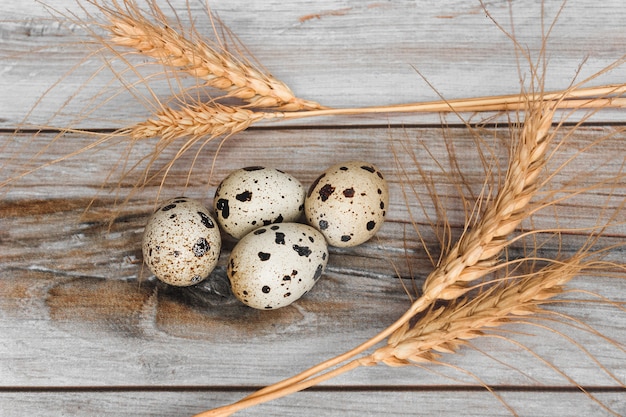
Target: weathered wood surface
{"x": 85, "y": 331}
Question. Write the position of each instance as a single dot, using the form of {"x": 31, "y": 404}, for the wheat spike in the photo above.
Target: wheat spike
{"x": 445, "y": 329}
{"x": 198, "y": 56}
{"x": 197, "y": 120}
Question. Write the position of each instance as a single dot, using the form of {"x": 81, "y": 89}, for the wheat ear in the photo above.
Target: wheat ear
{"x": 445, "y": 329}
{"x": 198, "y": 120}
{"x": 198, "y": 56}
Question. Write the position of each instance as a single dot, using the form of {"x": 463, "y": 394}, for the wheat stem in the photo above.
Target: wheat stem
{"x": 582, "y": 98}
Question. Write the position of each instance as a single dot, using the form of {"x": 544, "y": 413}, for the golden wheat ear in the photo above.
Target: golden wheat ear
{"x": 151, "y": 33}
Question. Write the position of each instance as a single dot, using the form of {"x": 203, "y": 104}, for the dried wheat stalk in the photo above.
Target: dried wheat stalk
{"x": 198, "y": 119}
{"x": 197, "y": 56}
{"x": 445, "y": 329}
{"x": 210, "y": 61}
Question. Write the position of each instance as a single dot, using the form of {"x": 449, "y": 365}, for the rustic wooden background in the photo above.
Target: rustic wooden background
{"x": 84, "y": 330}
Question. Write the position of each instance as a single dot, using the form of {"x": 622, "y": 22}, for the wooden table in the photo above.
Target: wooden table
{"x": 86, "y": 331}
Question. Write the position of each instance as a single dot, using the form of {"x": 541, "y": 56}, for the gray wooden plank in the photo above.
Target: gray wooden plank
{"x": 342, "y": 54}
{"x": 72, "y": 283}
{"x": 344, "y": 404}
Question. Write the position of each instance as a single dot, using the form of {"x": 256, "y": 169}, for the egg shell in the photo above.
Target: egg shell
{"x": 181, "y": 242}
{"x": 348, "y": 203}
{"x": 275, "y": 265}
{"x": 252, "y": 197}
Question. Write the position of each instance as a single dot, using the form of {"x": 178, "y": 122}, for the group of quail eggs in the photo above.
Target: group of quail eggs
{"x": 277, "y": 259}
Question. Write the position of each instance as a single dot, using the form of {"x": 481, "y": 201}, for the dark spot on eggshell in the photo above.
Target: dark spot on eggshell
{"x": 323, "y": 224}
{"x": 245, "y": 196}
{"x": 348, "y": 192}
{"x": 268, "y": 307}
{"x": 380, "y": 175}
{"x": 326, "y": 191}
{"x": 179, "y": 200}
{"x": 172, "y": 216}
{"x": 371, "y": 225}
{"x": 286, "y": 278}
{"x": 275, "y": 227}
{"x": 382, "y": 205}
{"x": 196, "y": 278}
{"x": 176, "y": 253}
{"x": 168, "y": 207}
{"x": 206, "y": 220}
{"x": 324, "y": 256}
{"x": 317, "y": 180}
{"x": 287, "y": 294}
{"x": 280, "y": 238}
{"x": 253, "y": 168}
{"x": 302, "y": 250}
{"x": 264, "y": 256}
{"x": 267, "y": 222}
{"x": 294, "y": 273}
{"x": 344, "y": 168}
{"x": 368, "y": 168}
{"x": 259, "y": 231}
{"x": 279, "y": 219}
{"x": 266, "y": 289}
{"x": 346, "y": 238}
{"x": 222, "y": 206}
{"x": 200, "y": 247}
{"x": 311, "y": 239}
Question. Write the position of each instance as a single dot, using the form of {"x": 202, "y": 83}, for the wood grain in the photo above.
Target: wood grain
{"x": 365, "y": 54}
{"x": 84, "y": 328}
{"x": 336, "y": 404}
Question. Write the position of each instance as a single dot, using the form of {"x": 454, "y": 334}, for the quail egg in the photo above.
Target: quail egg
{"x": 181, "y": 242}
{"x": 252, "y": 197}
{"x": 275, "y": 265}
{"x": 348, "y": 203}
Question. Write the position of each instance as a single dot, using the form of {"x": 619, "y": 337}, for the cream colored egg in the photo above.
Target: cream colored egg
{"x": 181, "y": 242}
{"x": 252, "y": 197}
{"x": 275, "y": 265}
{"x": 348, "y": 203}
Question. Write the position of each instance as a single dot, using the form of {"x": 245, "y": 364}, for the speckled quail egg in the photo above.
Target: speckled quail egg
{"x": 348, "y": 203}
{"x": 181, "y": 242}
{"x": 252, "y": 197}
{"x": 275, "y": 265}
